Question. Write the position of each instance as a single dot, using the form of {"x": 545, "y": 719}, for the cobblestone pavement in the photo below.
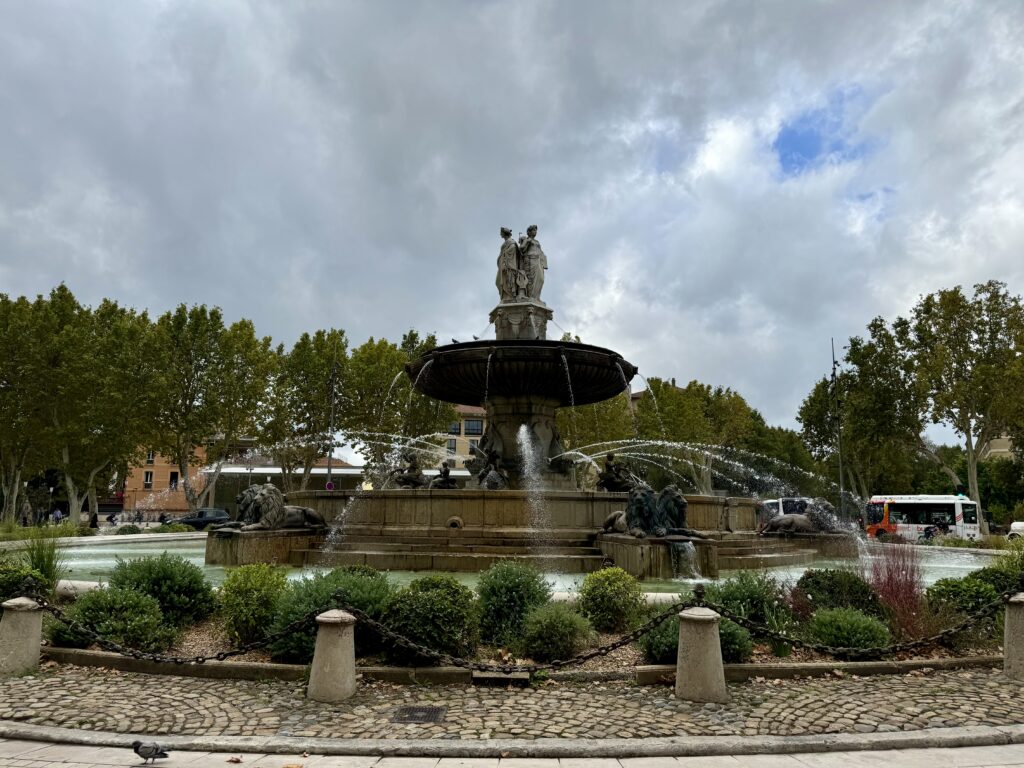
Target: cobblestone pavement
{"x": 33, "y": 754}
{"x": 106, "y": 700}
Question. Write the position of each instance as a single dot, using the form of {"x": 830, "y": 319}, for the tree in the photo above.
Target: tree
{"x": 306, "y": 396}
{"x": 23, "y": 424}
{"x": 382, "y": 408}
{"x": 213, "y": 385}
{"x": 965, "y": 350}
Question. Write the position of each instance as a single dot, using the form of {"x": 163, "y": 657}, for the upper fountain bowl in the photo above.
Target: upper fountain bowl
{"x": 458, "y": 373}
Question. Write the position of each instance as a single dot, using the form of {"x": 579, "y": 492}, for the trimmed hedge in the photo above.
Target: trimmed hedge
{"x": 508, "y": 591}
{"x": 611, "y": 599}
{"x": 661, "y": 645}
{"x": 179, "y": 586}
{"x": 365, "y": 589}
{"x": 435, "y": 611}
{"x": 17, "y": 579}
{"x": 124, "y": 616}
{"x": 839, "y": 588}
{"x": 554, "y": 631}
{"x": 248, "y": 600}
{"x": 755, "y": 595}
{"x": 847, "y": 628}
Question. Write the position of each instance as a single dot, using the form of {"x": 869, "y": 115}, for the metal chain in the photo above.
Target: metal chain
{"x": 337, "y": 600}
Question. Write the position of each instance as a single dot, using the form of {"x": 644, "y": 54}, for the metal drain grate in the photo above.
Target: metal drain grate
{"x": 419, "y": 714}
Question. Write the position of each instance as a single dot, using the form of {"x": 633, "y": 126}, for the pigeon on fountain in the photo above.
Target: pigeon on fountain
{"x": 148, "y": 750}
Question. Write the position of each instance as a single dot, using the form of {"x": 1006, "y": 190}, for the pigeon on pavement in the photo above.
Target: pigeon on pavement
{"x": 148, "y": 750}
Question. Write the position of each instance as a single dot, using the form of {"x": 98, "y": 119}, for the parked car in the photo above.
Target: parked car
{"x": 1016, "y": 531}
{"x": 203, "y": 517}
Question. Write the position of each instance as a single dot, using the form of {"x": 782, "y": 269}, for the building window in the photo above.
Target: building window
{"x": 455, "y": 428}
{"x": 474, "y": 426}
{"x": 473, "y": 444}
{"x": 451, "y": 446}
{"x": 147, "y": 481}
{"x": 173, "y": 483}
{"x": 151, "y": 457}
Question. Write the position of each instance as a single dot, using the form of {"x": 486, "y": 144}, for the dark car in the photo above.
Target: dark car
{"x": 205, "y": 516}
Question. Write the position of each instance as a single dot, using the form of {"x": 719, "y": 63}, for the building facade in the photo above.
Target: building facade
{"x": 466, "y": 433}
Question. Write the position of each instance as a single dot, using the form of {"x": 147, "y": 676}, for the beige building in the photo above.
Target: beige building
{"x": 468, "y": 431}
{"x": 156, "y": 486}
{"x": 999, "y": 448}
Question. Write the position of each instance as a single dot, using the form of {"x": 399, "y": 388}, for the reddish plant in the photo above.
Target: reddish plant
{"x": 896, "y": 578}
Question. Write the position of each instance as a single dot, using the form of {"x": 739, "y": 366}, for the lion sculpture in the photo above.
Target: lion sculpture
{"x": 263, "y": 508}
{"x": 647, "y": 514}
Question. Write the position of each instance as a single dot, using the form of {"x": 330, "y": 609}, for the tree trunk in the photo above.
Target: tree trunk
{"x": 75, "y": 499}
{"x": 186, "y": 482}
{"x": 206, "y": 496}
{"x": 972, "y": 482}
{"x": 94, "y": 502}
{"x": 10, "y": 483}
{"x": 928, "y": 453}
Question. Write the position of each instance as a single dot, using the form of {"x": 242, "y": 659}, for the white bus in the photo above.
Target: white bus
{"x": 908, "y": 516}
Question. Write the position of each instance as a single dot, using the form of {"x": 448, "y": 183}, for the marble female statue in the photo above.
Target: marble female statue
{"x": 534, "y": 262}
{"x": 511, "y": 280}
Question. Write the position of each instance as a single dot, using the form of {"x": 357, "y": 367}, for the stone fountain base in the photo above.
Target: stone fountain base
{"x": 461, "y": 530}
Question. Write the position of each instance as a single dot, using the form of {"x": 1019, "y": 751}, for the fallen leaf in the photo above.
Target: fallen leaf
{"x": 234, "y": 759}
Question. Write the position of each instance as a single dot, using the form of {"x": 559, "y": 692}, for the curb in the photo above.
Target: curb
{"x": 681, "y": 746}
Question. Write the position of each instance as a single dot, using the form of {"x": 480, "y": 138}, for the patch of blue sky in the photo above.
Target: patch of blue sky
{"x": 824, "y": 135}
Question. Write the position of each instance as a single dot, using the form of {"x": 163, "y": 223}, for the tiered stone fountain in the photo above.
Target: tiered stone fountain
{"x": 521, "y": 379}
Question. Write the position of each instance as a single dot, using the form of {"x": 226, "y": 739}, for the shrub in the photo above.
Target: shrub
{"x": 751, "y": 594}
{"x": 838, "y": 588}
{"x": 553, "y": 631}
{"x": 1012, "y": 561}
{"x": 169, "y": 528}
{"x": 179, "y": 586}
{"x": 737, "y": 645}
{"x": 435, "y": 611}
{"x": 896, "y": 579}
{"x": 611, "y": 599}
{"x": 17, "y": 580}
{"x": 44, "y": 555}
{"x": 847, "y": 628}
{"x": 965, "y": 595}
{"x": 367, "y": 591}
{"x": 508, "y": 591}
{"x": 248, "y": 600}
{"x": 127, "y": 529}
{"x": 121, "y": 615}
{"x": 661, "y": 645}
{"x": 999, "y": 579}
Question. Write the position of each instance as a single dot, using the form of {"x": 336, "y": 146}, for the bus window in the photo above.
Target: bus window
{"x": 942, "y": 514}
{"x": 874, "y": 513}
{"x": 970, "y": 513}
{"x": 905, "y": 514}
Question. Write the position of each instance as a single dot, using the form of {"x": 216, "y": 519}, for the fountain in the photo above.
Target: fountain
{"x": 525, "y": 502}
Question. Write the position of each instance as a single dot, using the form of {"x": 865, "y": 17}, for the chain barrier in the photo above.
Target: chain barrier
{"x": 698, "y": 600}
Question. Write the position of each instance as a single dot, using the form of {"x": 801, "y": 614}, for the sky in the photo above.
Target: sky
{"x": 720, "y": 187}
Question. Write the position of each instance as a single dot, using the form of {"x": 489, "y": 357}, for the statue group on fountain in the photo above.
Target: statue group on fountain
{"x": 521, "y": 266}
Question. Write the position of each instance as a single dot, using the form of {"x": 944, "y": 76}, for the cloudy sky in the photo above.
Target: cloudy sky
{"x": 720, "y": 187}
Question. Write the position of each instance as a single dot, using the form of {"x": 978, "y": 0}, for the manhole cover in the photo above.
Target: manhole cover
{"x": 419, "y": 714}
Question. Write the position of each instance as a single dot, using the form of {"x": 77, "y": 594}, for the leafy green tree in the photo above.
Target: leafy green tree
{"x": 23, "y": 423}
{"x": 308, "y": 390}
{"x": 965, "y": 350}
{"x": 213, "y": 387}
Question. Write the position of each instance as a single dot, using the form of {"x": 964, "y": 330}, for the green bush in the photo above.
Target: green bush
{"x": 661, "y": 645}
{"x": 127, "y": 529}
{"x": 365, "y": 590}
{"x": 170, "y": 528}
{"x": 17, "y": 579}
{"x": 999, "y": 579}
{"x": 965, "y": 595}
{"x": 838, "y": 588}
{"x": 508, "y": 591}
{"x": 737, "y": 645}
{"x": 847, "y": 628}
{"x": 179, "y": 586}
{"x": 248, "y": 600}
{"x": 121, "y": 615}
{"x": 84, "y": 530}
{"x": 611, "y": 599}
{"x": 435, "y": 611}
{"x": 755, "y": 595}
{"x": 553, "y": 631}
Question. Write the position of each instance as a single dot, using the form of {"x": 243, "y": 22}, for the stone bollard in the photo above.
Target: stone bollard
{"x": 1013, "y": 638}
{"x": 699, "y": 672}
{"x": 21, "y": 631}
{"x": 333, "y": 675}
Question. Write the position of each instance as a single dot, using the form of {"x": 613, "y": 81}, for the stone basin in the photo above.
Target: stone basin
{"x": 458, "y": 373}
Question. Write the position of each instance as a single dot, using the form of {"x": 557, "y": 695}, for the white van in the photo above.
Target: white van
{"x": 908, "y": 516}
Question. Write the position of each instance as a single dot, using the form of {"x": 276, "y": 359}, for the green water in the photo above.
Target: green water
{"x": 96, "y": 563}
